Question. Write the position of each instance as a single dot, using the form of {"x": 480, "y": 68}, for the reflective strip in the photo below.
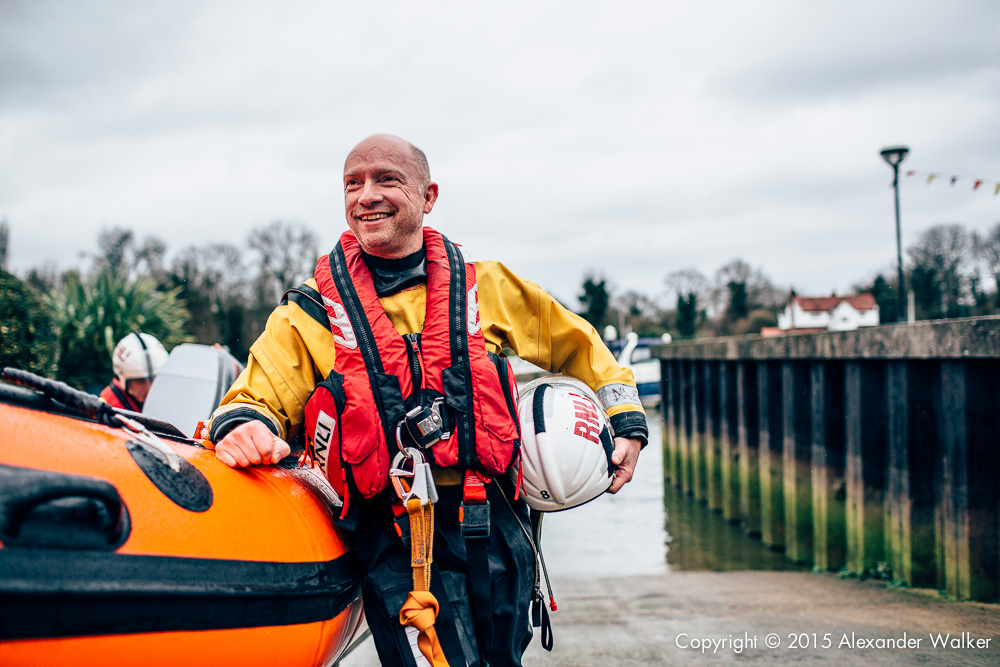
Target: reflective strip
{"x": 618, "y": 394}
{"x": 340, "y": 322}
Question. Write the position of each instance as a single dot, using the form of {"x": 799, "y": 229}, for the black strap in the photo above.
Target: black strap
{"x": 465, "y": 426}
{"x": 476, "y": 528}
{"x": 480, "y": 593}
{"x": 547, "y": 640}
{"x": 125, "y": 399}
{"x": 609, "y": 449}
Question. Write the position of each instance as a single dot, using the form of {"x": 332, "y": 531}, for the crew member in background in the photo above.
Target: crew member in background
{"x": 137, "y": 358}
{"x": 383, "y": 297}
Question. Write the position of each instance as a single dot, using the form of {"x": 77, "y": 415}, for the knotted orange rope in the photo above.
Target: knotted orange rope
{"x": 421, "y": 608}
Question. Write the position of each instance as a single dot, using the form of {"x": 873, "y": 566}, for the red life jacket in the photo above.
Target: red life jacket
{"x": 116, "y": 396}
{"x": 353, "y": 416}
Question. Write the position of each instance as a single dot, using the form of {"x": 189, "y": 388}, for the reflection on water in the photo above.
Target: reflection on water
{"x": 649, "y": 528}
{"x": 699, "y": 539}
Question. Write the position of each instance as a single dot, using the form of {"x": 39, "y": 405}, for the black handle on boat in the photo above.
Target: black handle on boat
{"x": 23, "y": 490}
{"x": 75, "y": 399}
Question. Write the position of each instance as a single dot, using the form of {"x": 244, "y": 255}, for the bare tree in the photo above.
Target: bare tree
{"x": 688, "y": 281}
{"x": 691, "y": 288}
{"x": 4, "y": 242}
{"x": 287, "y": 252}
{"x": 940, "y": 270}
{"x": 987, "y": 250}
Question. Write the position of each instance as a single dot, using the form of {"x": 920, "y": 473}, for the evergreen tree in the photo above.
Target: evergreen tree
{"x": 595, "y": 300}
{"x": 29, "y": 339}
{"x": 93, "y": 314}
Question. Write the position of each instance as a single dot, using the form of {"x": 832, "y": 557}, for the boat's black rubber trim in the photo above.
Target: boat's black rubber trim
{"x": 50, "y": 593}
{"x": 36, "y": 400}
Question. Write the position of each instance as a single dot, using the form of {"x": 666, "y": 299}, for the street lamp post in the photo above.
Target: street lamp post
{"x": 894, "y": 156}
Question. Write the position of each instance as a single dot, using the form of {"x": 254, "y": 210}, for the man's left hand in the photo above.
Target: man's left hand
{"x": 625, "y": 456}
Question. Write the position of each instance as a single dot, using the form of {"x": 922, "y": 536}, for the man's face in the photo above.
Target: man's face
{"x": 138, "y": 388}
{"x": 385, "y": 197}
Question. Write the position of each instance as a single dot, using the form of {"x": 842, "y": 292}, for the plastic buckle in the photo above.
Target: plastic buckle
{"x": 424, "y": 425}
{"x": 475, "y": 520}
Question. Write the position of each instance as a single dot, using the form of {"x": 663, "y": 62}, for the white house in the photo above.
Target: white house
{"x": 829, "y": 313}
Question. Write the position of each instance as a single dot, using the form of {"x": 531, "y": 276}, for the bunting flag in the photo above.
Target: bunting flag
{"x": 952, "y": 180}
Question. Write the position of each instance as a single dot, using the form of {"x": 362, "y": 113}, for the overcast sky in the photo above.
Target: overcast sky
{"x": 630, "y": 139}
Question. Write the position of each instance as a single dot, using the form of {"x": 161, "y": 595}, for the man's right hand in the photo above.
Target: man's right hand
{"x": 251, "y": 443}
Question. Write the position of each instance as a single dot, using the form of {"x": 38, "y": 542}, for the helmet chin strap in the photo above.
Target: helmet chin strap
{"x": 145, "y": 350}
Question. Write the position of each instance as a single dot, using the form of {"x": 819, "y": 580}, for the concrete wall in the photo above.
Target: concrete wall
{"x": 873, "y": 451}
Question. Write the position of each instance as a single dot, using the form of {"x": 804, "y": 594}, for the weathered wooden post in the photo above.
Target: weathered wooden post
{"x": 796, "y": 461}
{"x": 826, "y": 380}
{"x": 748, "y": 435}
{"x": 983, "y": 465}
{"x": 710, "y": 437}
{"x": 769, "y": 451}
{"x": 697, "y": 442}
{"x": 728, "y": 442}
{"x": 668, "y": 410}
{"x": 954, "y": 480}
{"x": 684, "y": 424}
{"x": 897, "y": 499}
{"x": 865, "y": 437}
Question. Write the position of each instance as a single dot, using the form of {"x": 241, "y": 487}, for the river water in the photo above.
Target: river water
{"x": 649, "y": 527}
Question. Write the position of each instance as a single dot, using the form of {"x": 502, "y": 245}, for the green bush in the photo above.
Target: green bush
{"x": 93, "y": 315}
{"x": 29, "y": 339}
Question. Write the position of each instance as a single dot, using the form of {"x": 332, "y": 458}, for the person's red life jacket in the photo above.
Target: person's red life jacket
{"x": 352, "y": 416}
{"x": 116, "y": 396}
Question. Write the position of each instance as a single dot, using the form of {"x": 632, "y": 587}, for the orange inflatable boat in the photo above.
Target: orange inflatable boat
{"x": 122, "y": 542}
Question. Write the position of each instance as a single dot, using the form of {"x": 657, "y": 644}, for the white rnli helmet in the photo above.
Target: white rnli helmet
{"x": 566, "y": 443}
{"x": 138, "y": 356}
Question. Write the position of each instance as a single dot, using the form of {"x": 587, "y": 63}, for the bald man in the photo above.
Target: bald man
{"x": 336, "y": 338}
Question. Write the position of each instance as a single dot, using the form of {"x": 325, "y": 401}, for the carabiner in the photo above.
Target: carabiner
{"x": 422, "y": 485}
{"x": 396, "y": 472}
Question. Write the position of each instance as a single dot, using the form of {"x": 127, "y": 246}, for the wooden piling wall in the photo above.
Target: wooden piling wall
{"x": 874, "y": 451}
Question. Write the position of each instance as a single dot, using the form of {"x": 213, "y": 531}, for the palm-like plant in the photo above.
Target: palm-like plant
{"x": 93, "y": 314}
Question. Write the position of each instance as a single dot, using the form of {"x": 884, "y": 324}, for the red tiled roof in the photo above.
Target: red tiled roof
{"x": 862, "y": 301}
{"x": 827, "y": 303}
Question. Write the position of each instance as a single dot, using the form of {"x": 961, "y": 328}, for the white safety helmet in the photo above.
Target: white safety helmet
{"x": 566, "y": 444}
{"x": 138, "y": 356}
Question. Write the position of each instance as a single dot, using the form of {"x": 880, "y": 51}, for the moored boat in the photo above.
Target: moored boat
{"x": 124, "y": 542}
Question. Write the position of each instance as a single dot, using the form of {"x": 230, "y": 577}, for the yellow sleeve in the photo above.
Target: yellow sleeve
{"x": 518, "y": 314}
{"x": 286, "y": 361}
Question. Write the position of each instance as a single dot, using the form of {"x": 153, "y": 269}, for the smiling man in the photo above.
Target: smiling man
{"x": 399, "y": 330}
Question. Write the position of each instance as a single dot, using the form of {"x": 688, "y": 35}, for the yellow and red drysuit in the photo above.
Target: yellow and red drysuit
{"x": 296, "y": 351}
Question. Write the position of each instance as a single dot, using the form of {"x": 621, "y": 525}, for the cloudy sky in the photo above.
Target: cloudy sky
{"x": 630, "y": 139}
